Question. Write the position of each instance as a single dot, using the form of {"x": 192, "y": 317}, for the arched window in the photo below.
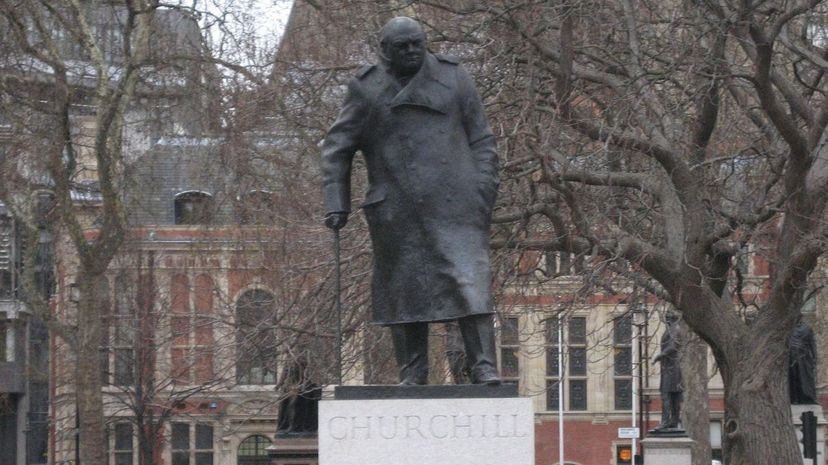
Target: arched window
{"x": 193, "y": 207}
{"x": 257, "y": 207}
{"x": 255, "y": 338}
{"x": 253, "y": 450}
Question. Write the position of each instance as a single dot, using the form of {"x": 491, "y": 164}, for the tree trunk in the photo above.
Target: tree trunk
{"x": 758, "y": 429}
{"x": 88, "y": 386}
{"x": 695, "y": 414}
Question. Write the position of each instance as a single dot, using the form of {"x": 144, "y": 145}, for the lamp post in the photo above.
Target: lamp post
{"x": 560, "y": 392}
{"x": 639, "y": 321}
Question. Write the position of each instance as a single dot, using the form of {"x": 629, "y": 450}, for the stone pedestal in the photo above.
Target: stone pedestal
{"x": 667, "y": 450}
{"x": 435, "y": 425}
{"x": 293, "y": 449}
{"x": 796, "y": 413}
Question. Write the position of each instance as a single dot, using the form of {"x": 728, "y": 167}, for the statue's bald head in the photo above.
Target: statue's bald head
{"x": 403, "y": 45}
{"x": 400, "y": 25}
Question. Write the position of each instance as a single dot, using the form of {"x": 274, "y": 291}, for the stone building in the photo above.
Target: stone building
{"x": 601, "y": 347}
{"x": 197, "y": 323}
{"x": 23, "y": 359}
{"x": 210, "y": 303}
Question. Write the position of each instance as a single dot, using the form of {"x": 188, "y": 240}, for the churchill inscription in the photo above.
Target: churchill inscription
{"x": 432, "y": 431}
{"x": 425, "y": 427}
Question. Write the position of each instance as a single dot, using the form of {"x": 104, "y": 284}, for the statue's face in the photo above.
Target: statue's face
{"x": 404, "y": 46}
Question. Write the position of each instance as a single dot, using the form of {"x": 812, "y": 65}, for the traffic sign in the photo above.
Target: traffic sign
{"x": 628, "y": 433}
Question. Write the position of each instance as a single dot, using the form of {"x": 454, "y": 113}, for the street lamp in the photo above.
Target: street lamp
{"x": 639, "y": 321}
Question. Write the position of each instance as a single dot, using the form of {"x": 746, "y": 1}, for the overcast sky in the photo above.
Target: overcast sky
{"x": 271, "y": 16}
{"x": 263, "y": 21}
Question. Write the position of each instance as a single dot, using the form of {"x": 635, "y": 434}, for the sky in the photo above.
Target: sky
{"x": 263, "y": 20}
{"x": 271, "y": 16}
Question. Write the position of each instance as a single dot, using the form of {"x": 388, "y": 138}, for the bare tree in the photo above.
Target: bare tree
{"x": 668, "y": 141}
{"x": 71, "y": 75}
{"x": 51, "y": 87}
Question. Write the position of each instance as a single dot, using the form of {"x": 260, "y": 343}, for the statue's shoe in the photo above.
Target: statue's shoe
{"x": 488, "y": 378}
{"x": 413, "y": 382}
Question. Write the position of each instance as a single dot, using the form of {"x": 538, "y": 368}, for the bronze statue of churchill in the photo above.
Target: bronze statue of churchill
{"x": 432, "y": 173}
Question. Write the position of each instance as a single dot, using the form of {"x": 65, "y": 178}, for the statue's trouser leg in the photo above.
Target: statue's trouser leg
{"x": 411, "y": 349}
{"x": 666, "y": 409}
{"x": 479, "y": 340}
{"x": 675, "y": 408}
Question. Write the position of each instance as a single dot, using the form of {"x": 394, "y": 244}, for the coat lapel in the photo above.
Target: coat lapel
{"x": 428, "y": 88}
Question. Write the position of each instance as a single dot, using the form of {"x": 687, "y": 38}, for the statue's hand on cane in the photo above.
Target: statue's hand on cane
{"x": 336, "y": 221}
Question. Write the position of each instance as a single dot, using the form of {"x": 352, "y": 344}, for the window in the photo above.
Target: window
{"x": 122, "y": 450}
{"x": 257, "y": 207}
{"x": 564, "y": 263}
{"x": 7, "y": 257}
{"x": 716, "y": 439}
{"x": 106, "y": 331}
{"x": 193, "y": 207}
{"x": 255, "y": 338}
{"x": 574, "y": 366}
{"x": 815, "y": 30}
{"x": 253, "y": 450}
{"x": 509, "y": 350}
{"x": 576, "y": 338}
{"x": 6, "y": 342}
{"x": 191, "y": 446}
{"x": 192, "y": 329}
{"x": 117, "y": 356}
{"x": 123, "y": 339}
{"x": 622, "y": 361}
{"x": 742, "y": 260}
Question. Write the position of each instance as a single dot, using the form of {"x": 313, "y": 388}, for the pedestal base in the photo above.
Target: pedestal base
{"x": 435, "y": 425}
{"x": 292, "y": 449}
{"x": 796, "y": 413}
{"x": 667, "y": 450}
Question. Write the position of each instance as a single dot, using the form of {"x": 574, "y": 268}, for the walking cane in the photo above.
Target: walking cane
{"x": 338, "y": 265}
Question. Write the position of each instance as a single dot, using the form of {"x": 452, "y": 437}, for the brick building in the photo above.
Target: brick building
{"x": 205, "y": 311}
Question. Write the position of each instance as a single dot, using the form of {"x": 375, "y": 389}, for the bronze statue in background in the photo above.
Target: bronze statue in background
{"x": 802, "y": 365}
{"x": 671, "y": 386}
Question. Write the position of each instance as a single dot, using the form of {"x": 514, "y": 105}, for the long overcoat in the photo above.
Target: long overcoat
{"x": 432, "y": 177}
{"x": 802, "y": 365}
{"x": 671, "y": 379}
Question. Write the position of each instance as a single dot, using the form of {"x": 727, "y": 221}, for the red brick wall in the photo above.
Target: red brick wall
{"x": 585, "y": 443}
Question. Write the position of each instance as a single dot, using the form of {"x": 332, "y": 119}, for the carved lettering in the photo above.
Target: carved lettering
{"x": 433, "y": 431}
{"x": 383, "y": 431}
{"x": 467, "y": 426}
{"x": 415, "y": 427}
{"x": 498, "y": 432}
{"x": 366, "y": 426}
{"x": 425, "y": 427}
{"x": 332, "y": 430}
{"x": 515, "y": 427}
